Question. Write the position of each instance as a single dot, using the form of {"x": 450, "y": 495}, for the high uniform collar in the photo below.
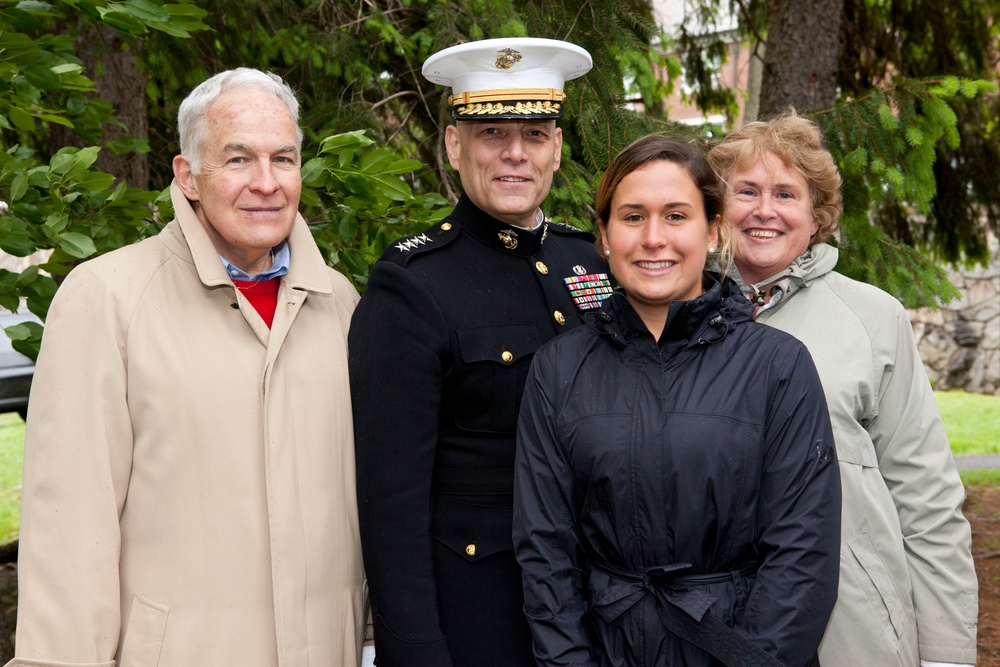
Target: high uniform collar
{"x": 500, "y": 236}
{"x": 187, "y": 238}
{"x": 702, "y": 320}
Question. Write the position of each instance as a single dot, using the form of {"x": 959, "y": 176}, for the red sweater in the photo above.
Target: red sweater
{"x": 263, "y": 295}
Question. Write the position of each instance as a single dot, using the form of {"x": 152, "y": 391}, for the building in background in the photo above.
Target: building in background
{"x": 740, "y": 71}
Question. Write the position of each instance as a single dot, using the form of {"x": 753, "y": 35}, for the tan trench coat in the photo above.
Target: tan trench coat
{"x": 189, "y": 494}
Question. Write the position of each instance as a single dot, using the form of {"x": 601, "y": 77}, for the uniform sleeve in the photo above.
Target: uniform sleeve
{"x": 916, "y": 463}
{"x": 796, "y": 586}
{"x": 77, "y": 458}
{"x": 398, "y": 347}
{"x": 546, "y": 540}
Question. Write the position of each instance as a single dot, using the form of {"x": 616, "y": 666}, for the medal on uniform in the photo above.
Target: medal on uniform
{"x": 589, "y": 290}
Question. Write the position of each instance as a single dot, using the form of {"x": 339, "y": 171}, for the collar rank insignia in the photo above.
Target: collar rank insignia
{"x": 407, "y": 245}
{"x": 509, "y": 238}
{"x": 588, "y": 291}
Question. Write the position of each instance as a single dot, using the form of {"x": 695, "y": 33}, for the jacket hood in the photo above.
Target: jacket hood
{"x": 817, "y": 261}
{"x": 703, "y": 320}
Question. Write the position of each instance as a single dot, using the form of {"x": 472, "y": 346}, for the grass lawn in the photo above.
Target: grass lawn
{"x": 972, "y": 422}
{"x": 11, "y": 455}
{"x": 980, "y": 477}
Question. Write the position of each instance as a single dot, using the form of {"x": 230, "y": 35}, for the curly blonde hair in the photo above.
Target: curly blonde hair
{"x": 798, "y": 143}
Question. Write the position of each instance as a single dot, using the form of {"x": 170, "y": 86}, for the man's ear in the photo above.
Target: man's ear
{"x": 558, "y": 147}
{"x": 453, "y": 144}
{"x": 185, "y": 179}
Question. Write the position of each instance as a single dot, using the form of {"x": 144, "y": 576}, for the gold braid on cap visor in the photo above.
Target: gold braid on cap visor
{"x": 516, "y": 101}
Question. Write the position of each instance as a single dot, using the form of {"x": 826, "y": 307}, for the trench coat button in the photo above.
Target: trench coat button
{"x": 559, "y": 318}
{"x": 446, "y": 226}
{"x": 542, "y": 269}
{"x": 471, "y": 549}
{"x": 507, "y": 358}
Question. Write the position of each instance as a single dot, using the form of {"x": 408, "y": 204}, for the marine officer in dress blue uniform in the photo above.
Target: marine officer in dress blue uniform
{"x": 440, "y": 346}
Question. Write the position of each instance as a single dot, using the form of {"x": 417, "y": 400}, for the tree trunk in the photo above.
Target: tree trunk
{"x": 800, "y": 62}
{"x": 118, "y": 79}
{"x": 751, "y": 111}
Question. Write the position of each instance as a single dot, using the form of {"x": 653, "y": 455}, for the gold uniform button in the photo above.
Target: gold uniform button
{"x": 559, "y": 318}
{"x": 507, "y": 356}
{"x": 471, "y": 549}
{"x": 542, "y": 269}
{"x": 446, "y": 226}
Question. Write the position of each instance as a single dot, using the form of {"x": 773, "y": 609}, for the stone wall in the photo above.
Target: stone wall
{"x": 960, "y": 342}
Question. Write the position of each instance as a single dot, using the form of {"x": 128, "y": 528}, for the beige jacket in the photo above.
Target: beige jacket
{"x": 908, "y": 588}
{"x": 189, "y": 494}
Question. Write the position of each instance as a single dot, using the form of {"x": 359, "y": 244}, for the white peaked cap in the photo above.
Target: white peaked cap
{"x": 508, "y": 78}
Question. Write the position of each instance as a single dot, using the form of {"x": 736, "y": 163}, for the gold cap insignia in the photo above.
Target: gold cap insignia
{"x": 507, "y": 58}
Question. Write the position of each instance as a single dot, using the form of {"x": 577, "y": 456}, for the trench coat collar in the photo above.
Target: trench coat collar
{"x": 497, "y": 235}
{"x": 187, "y": 238}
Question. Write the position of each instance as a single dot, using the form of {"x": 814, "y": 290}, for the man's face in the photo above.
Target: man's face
{"x": 247, "y": 193}
{"x": 506, "y": 166}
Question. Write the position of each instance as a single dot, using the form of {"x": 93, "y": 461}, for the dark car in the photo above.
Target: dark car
{"x": 15, "y": 368}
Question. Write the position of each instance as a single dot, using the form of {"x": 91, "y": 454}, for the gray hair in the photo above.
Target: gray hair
{"x": 194, "y": 108}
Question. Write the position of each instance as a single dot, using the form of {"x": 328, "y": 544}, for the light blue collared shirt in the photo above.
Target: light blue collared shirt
{"x": 281, "y": 259}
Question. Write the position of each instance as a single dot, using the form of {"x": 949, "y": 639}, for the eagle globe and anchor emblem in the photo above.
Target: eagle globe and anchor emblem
{"x": 507, "y": 58}
{"x": 508, "y": 238}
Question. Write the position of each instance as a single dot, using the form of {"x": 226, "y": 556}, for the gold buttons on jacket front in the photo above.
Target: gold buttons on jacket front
{"x": 559, "y": 318}
{"x": 471, "y": 549}
{"x": 446, "y": 226}
{"x": 507, "y": 356}
{"x": 542, "y": 269}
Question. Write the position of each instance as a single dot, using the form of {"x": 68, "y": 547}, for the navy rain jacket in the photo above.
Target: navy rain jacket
{"x": 681, "y": 487}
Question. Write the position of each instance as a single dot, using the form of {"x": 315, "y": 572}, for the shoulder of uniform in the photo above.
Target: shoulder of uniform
{"x": 435, "y": 237}
{"x": 568, "y": 230}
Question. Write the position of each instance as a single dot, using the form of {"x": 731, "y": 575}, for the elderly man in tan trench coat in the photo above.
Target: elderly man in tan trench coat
{"x": 189, "y": 491}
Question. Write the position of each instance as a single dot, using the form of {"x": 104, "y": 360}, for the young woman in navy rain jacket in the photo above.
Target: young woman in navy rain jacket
{"x": 677, "y": 499}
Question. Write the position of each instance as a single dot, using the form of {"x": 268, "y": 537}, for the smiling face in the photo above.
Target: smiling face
{"x": 247, "y": 193}
{"x": 506, "y": 166}
{"x": 658, "y": 237}
{"x": 770, "y": 212}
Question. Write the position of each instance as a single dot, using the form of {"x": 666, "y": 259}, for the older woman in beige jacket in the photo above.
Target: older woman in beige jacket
{"x": 908, "y": 588}
{"x": 189, "y": 492}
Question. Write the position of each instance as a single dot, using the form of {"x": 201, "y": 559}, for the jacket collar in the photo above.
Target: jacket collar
{"x": 703, "y": 320}
{"x": 187, "y": 238}
{"x": 498, "y": 235}
{"x": 817, "y": 261}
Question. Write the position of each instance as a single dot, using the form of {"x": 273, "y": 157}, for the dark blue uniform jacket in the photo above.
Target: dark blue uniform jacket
{"x": 440, "y": 347}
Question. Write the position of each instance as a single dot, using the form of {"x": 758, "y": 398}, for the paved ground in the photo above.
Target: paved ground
{"x": 978, "y": 461}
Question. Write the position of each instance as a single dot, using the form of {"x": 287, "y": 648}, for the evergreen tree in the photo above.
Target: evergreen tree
{"x": 913, "y": 128}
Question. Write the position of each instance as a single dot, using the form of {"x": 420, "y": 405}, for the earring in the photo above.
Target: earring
{"x": 711, "y": 249}
{"x": 607, "y": 253}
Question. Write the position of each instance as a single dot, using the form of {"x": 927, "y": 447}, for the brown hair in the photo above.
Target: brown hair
{"x": 797, "y": 142}
{"x": 653, "y": 148}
